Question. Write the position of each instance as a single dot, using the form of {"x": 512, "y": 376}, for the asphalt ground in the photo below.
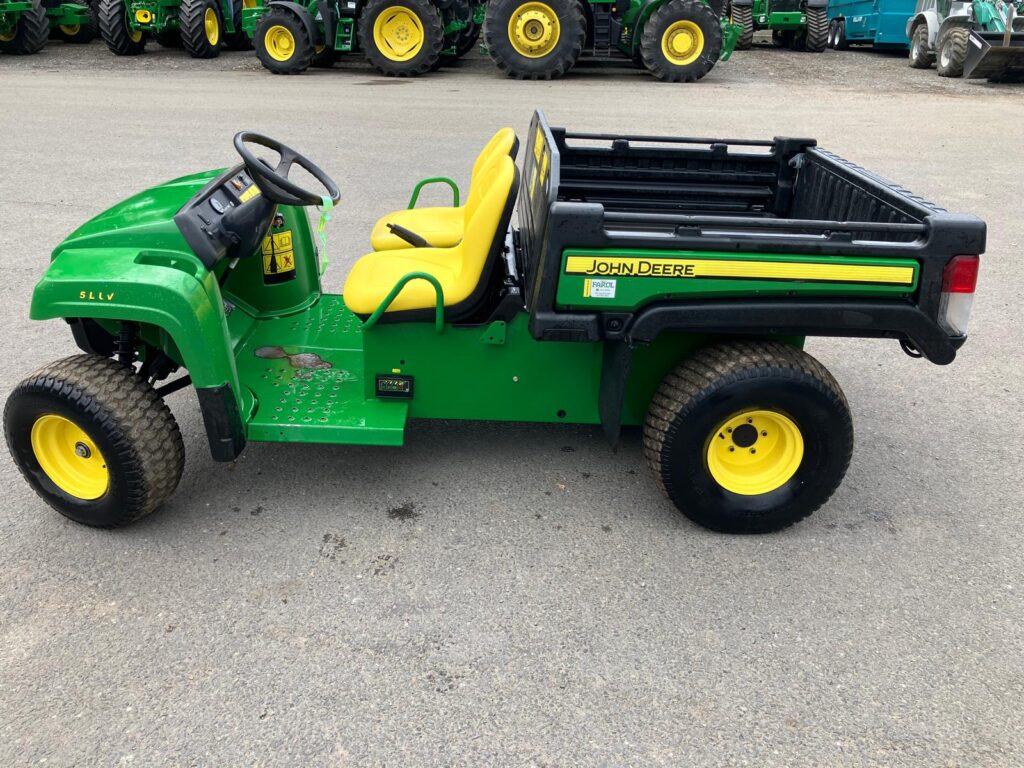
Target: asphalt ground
{"x": 518, "y": 595}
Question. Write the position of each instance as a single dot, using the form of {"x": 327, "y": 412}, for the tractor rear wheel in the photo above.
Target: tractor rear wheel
{"x": 116, "y": 32}
{"x": 29, "y": 33}
{"x": 401, "y": 38}
{"x": 748, "y": 437}
{"x": 282, "y": 42}
{"x": 94, "y": 440}
{"x": 681, "y": 41}
{"x": 953, "y": 52}
{"x": 921, "y": 56}
{"x": 745, "y": 18}
{"x": 534, "y": 40}
{"x": 815, "y": 37}
{"x": 202, "y": 28}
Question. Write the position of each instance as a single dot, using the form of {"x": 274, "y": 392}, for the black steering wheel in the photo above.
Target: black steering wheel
{"x": 273, "y": 181}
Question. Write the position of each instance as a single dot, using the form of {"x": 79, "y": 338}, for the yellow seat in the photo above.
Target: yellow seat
{"x": 442, "y": 227}
{"x": 463, "y": 271}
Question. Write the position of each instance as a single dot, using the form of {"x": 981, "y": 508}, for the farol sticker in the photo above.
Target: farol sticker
{"x": 598, "y": 289}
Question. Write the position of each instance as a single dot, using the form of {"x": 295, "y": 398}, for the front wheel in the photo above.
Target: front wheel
{"x": 921, "y": 55}
{"x": 744, "y": 16}
{"x": 202, "y": 28}
{"x": 28, "y": 34}
{"x": 116, "y": 30}
{"x": 401, "y": 38}
{"x": 953, "y": 52}
{"x": 748, "y": 437}
{"x": 532, "y": 40}
{"x": 815, "y": 37}
{"x": 282, "y": 42}
{"x": 681, "y": 41}
{"x": 94, "y": 440}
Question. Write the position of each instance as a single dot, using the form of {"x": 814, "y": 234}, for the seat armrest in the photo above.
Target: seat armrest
{"x": 435, "y": 180}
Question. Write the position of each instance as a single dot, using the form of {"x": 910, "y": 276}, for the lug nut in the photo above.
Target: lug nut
{"x": 82, "y": 450}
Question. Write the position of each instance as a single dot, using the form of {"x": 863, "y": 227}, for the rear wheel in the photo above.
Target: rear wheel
{"x": 28, "y": 34}
{"x": 815, "y": 37}
{"x": 94, "y": 440}
{"x": 745, "y": 18}
{"x": 681, "y": 41}
{"x": 116, "y": 32}
{"x": 401, "y": 38}
{"x": 953, "y": 52}
{"x": 202, "y": 28}
{"x": 533, "y": 40}
{"x": 748, "y": 437}
{"x": 921, "y": 56}
{"x": 282, "y": 42}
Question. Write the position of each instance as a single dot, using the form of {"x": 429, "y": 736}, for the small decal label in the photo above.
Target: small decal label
{"x": 278, "y": 257}
{"x": 598, "y": 289}
{"x": 251, "y": 192}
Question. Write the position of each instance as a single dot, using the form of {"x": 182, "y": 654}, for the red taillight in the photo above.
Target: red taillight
{"x": 960, "y": 275}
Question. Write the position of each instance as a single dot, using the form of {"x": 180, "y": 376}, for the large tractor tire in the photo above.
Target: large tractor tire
{"x": 745, "y": 18}
{"x": 401, "y": 38}
{"x": 815, "y": 37}
{"x": 29, "y": 34}
{"x": 238, "y": 40}
{"x": 921, "y": 55}
{"x": 94, "y": 440}
{"x": 748, "y": 437}
{"x": 202, "y": 28}
{"x": 681, "y": 41}
{"x": 952, "y": 52}
{"x": 282, "y": 42}
{"x": 534, "y": 40}
{"x": 120, "y": 38}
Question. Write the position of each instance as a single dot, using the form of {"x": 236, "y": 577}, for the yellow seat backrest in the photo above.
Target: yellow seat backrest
{"x": 501, "y": 144}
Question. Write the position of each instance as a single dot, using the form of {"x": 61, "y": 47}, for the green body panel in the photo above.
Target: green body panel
{"x": 68, "y": 15}
{"x": 633, "y": 290}
{"x": 767, "y": 17}
{"x": 164, "y": 15}
{"x": 10, "y": 12}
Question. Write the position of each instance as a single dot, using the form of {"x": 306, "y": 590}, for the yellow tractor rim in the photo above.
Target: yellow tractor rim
{"x": 211, "y": 25}
{"x": 755, "y": 452}
{"x": 70, "y": 29}
{"x": 69, "y": 457}
{"x": 398, "y": 33}
{"x": 279, "y": 42}
{"x": 6, "y": 37}
{"x": 534, "y": 30}
{"x": 682, "y": 43}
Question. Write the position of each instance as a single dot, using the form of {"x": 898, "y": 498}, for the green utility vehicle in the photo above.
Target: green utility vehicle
{"x": 676, "y": 40}
{"x": 665, "y": 283}
{"x": 201, "y": 27}
{"x": 800, "y": 25}
{"x": 979, "y": 38}
{"x": 25, "y": 25}
{"x": 403, "y": 38}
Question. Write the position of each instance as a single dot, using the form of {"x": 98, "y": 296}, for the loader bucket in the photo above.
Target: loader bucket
{"x": 995, "y": 55}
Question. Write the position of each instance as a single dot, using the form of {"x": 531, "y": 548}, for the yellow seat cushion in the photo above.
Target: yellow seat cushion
{"x": 458, "y": 269}
{"x": 442, "y": 227}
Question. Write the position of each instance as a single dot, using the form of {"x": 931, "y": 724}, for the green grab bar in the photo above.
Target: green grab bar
{"x": 438, "y": 310}
{"x": 435, "y": 180}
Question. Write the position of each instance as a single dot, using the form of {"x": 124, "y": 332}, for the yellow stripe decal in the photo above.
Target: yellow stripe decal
{"x": 751, "y": 270}
{"x": 250, "y": 192}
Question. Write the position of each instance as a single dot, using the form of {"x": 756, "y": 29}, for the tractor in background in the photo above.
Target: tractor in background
{"x": 945, "y": 32}
{"x": 800, "y": 25}
{"x": 25, "y": 25}
{"x": 201, "y": 27}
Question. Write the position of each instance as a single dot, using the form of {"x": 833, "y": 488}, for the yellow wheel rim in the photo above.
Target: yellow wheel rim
{"x": 534, "y": 30}
{"x": 682, "y": 43}
{"x": 69, "y": 457}
{"x": 70, "y": 29}
{"x": 6, "y": 37}
{"x": 135, "y": 35}
{"x": 211, "y": 24}
{"x": 398, "y": 33}
{"x": 755, "y": 452}
{"x": 279, "y": 42}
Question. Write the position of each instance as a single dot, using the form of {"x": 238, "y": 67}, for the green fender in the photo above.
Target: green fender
{"x": 166, "y": 289}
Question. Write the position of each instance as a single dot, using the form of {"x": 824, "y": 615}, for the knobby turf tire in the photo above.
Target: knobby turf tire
{"x": 193, "y": 28}
{"x": 572, "y": 36}
{"x": 131, "y": 426}
{"x": 304, "y": 52}
{"x": 920, "y": 55}
{"x": 679, "y": 10}
{"x": 952, "y": 52}
{"x": 30, "y": 34}
{"x": 429, "y": 55}
{"x": 114, "y": 29}
{"x": 815, "y": 37}
{"x": 745, "y": 18}
{"x": 720, "y": 381}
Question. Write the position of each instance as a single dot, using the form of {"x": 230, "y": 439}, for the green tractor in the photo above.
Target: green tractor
{"x": 201, "y": 27}
{"x": 800, "y": 25}
{"x": 25, "y": 25}
{"x": 661, "y": 283}
{"x": 675, "y": 40}
{"x": 403, "y": 38}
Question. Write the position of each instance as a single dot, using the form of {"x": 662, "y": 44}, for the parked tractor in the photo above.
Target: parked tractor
{"x": 800, "y": 25}
{"x": 944, "y": 32}
{"x": 25, "y": 25}
{"x": 201, "y": 27}
{"x": 675, "y": 40}
{"x": 403, "y": 38}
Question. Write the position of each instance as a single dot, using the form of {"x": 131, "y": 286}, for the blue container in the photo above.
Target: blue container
{"x": 882, "y": 23}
